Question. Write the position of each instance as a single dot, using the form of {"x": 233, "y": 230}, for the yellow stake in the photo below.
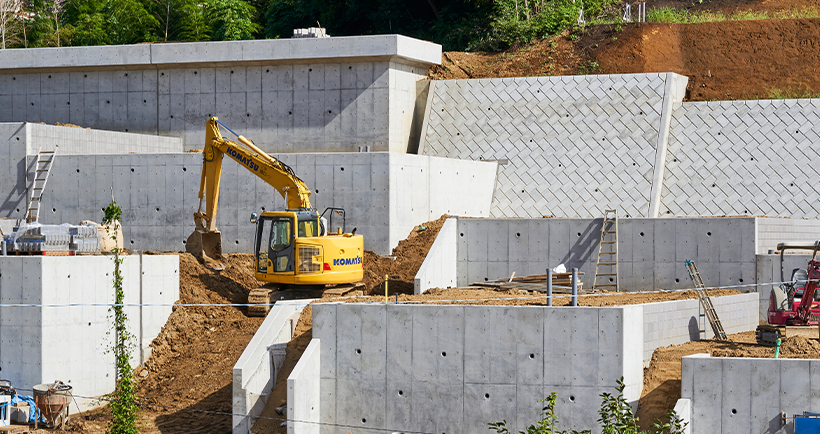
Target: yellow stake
{"x": 385, "y": 288}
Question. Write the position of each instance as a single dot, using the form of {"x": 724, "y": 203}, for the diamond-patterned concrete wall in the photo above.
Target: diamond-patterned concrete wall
{"x": 743, "y": 157}
{"x": 568, "y": 146}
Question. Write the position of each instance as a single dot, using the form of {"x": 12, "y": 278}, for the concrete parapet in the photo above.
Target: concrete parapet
{"x": 454, "y": 368}
{"x": 683, "y": 408}
{"x": 743, "y": 395}
{"x": 385, "y": 194}
{"x": 304, "y": 393}
{"x": 254, "y": 374}
{"x": 651, "y": 251}
{"x": 439, "y": 267}
{"x": 52, "y": 340}
{"x": 288, "y": 95}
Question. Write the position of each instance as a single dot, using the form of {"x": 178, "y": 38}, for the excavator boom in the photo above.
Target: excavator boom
{"x": 206, "y": 241}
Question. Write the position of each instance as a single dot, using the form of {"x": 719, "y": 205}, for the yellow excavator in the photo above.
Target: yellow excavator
{"x": 292, "y": 247}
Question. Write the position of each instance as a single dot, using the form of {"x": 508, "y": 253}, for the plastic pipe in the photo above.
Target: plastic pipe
{"x": 549, "y": 286}
{"x": 574, "y": 287}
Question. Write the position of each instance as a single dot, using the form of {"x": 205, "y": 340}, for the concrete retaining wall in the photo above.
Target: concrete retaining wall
{"x": 254, "y": 374}
{"x": 44, "y": 343}
{"x": 570, "y": 146}
{"x": 304, "y": 393}
{"x": 454, "y": 368}
{"x": 743, "y": 395}
{"x": 678, "y": 322}
{"x": 651, "y": 251}
{"x": 288, "y": 95}
{"x": 385, "y": 194}
{"x": 439, "y": 267}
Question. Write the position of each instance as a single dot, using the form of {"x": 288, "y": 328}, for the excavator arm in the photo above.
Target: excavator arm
{"x": 206, "y": 239}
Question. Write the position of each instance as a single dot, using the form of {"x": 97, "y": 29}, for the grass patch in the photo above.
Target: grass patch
{"x": 790, "y": 94}
{"x": 682, "y": 16}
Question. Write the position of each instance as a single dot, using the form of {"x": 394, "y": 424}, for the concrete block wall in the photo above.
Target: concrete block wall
{"x": 454, "y": 368}
{"x": 82, "y": 141}
{"x": 304, "y": 392}
{"x": 771, "y": 231}
{"x": 743, "y": 158}
{"x": 681, "y": 321}
{"x": 54, "y": 341}
{"x": 289, "y": 95}
{"x": 651, "y": 251}
{"x": 385, "y": 194}
{"x": 254, "y": 374}
{"x": 439, "y": 267}
{"x": 568, "y": 146}
{"x": 743, "y": 395}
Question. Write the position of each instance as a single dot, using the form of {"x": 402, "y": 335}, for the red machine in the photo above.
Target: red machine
{"x": 793, "y": 303}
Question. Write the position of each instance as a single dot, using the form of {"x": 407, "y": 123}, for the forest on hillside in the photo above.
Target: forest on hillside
{"x": 456, "y": 24}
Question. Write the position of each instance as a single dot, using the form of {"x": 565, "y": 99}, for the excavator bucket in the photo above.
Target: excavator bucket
{"x": 207, "y": 247}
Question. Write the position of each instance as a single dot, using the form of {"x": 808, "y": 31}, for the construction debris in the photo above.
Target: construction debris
{"x": 39, "y": 238}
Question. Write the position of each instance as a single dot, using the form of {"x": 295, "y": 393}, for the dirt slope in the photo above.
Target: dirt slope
{"x": 193, "y": 356}
{"x": 723, "y": 60}
{"x": 662, "y": 380}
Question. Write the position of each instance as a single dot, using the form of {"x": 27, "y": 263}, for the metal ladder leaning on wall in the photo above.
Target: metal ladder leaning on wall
{"x": 42, "y": 169}
{"x": 608, "y": 259}
{"x": 706, "y": 301}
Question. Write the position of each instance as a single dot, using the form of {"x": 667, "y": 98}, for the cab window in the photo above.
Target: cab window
{"x": 308, "y": 228}
{"x": 281, "y": 232}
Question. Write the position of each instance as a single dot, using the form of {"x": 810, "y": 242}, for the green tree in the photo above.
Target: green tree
{"x": 231, "y": 20}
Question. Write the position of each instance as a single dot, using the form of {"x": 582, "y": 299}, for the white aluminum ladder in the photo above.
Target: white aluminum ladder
{"x": 608, "y": 257}
{"x": 42, "y": 169}
{"x": 706, "y": 301}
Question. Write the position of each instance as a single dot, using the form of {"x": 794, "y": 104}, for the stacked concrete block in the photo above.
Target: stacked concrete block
{"x": 454, "y": 368}
{"x": 288, "y": 95}
{"x": 681, "y": 321}
{"x": 741, "y": 395}
{"x": 36, "y": 237}
{"x": 63, "y": 335}
{"x": 567, "y": 146}
{"x": 743, "y": 158}
{"x": 311, "y": 32}
{"x": 772, "y": 231}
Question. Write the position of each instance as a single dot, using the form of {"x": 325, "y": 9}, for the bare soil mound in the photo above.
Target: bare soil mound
{"x": 662, "y": 380}
{"x": 406, "y": 260}
{"x": 724, "y": 60}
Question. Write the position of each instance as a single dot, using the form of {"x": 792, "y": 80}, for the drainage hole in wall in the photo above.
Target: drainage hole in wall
{"x": 172, "y": 116}
{"x": 126, "y": 130}
{"x": 677, "y": 280}
{"x": 89, "y": 323}
{"x": 358, "y": 351}
{"x": 184, "y": 169}
{"x": 740, "y": 280}
{"x": 349, "y": 67}
{"x": 132, "y": 170}
{"x": 290, "y": 113}
{"x": 713, "y": 185}
{"x": 247, "y": 114}
{"x": 330, "y": 111}
{"x": 157, "y": 209}
{"x": 579, "y": 234}
{"x": 53, "y": 209}
{"x": 641, "y": 233}
{"x": 267, "y": 70}
{"x": 487, "y": 395}
{"x": 144, "y": 101}
{"x": 571, "y": 398}
{"x": 745, "y": 211}
{"x": 791, "y": 185}
{"x": 108, "y": 102}
{"x": 461, "y": 234}
{"x": 310, "y": 69}
{"x": 596, "y": 190}
{"x": 132, "y": 241}
{"x": 708, "y": 234}
{"x": 18, "y": 210}
{"x": 611, "y": 279}
{"x": 237, "y": 242}
{"x": 364, "y": 420}
{"x": 231, "y": 72}
{"x": 559, "y": 165}
{"x": 734, "y": 411}
{"x": 443, "y": 354}
{"x": 184, "y": 242}
{"x": 532, "y": 356}
{"x": 343, "y": 169}
{"x": 317, "y": 191}
{"x": 522, "y": 191}
{"x": 401, "y": 393}
{"x": 78, "y": 170}
{"x": 517, "y": 234}
{"x": 263, "y": 208}
{"x": 485, "y": 279}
